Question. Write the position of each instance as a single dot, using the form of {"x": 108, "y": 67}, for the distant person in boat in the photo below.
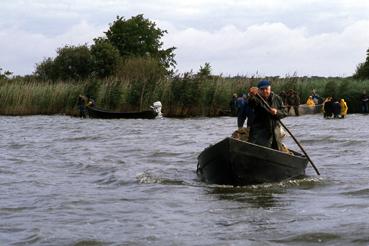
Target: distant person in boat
{"x": 233, "y": 105}
{"x": 283, "y": 95}
{"x": 81, "y": 103}
{"x": 242, "y": 110}
{"x": 310, "y": 102}
{"x": 364, "y": 98}
{"x": 265, "y": 129}
{"x": 293, "y": 100}
{"x": 91, "y": 102}
{"x": 317, "y": 99}
{"x": 336, "y": 108}
{"x": 327, "y": 107}
{"x": 344, "y": 108}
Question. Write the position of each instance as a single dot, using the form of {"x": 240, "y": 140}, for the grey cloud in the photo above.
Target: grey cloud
{"x": 235, "y": 36}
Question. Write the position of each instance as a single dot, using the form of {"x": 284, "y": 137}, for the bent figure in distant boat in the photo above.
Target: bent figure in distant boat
{"x": 310, "y": 102}
{"x": 156, "y": 107}
{"x": 265, "y": 129}
{"x": 90, "y": 101}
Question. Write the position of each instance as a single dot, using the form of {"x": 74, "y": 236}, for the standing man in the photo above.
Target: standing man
{"x": 265, "y": 129}
{"x": 364, "y": 98}
{"x": 328, "y": 107}
{"x": 233, "y": 105}
{"x": 336, "y": 108}
{"x": 242, "y": 110}
{"x": 81, "y": 103}
{"x": 293, "y": 100}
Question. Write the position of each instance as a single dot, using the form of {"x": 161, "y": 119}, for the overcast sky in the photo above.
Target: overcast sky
{"x": 244, "y": 37}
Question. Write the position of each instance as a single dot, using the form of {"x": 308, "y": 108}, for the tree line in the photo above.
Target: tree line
{"x": 125, "y": 40}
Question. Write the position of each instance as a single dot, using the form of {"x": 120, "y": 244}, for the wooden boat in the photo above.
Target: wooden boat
{"x": 235, "y": 162}
{"x": 305, "y": 109}
{"x": 95, "y": 112}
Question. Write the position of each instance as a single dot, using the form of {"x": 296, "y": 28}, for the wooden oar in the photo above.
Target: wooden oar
{"x": 297, "y": 142}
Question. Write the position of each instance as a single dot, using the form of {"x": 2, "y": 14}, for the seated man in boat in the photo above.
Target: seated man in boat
{"x": 317, "y": 99}
{"x": 265, "y": 129}
{"x": 90, "y": 101}
{"x": 310, "y": 102}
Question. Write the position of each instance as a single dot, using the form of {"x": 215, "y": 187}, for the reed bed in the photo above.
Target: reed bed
{"x": 29, "y": 98}
{"x": 182, "y": 96}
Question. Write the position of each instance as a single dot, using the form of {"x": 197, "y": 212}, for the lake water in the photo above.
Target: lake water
{"x": 71, "y": 181}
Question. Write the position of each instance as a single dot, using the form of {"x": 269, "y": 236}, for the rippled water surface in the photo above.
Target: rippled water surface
{"x": 67, "y": 181}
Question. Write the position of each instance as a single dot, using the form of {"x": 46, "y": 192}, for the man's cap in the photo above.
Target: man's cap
{"x": 263, "y": 84}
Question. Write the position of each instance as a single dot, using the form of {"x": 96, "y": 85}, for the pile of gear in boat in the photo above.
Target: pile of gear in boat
{"x": 242, "y": 134}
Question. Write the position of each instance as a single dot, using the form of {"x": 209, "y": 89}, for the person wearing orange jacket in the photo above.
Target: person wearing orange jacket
{"x": 344, "y": 108}
{"x": 310, "y": 101}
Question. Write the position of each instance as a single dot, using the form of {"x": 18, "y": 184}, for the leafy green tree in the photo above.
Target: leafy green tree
{"x": 144, "y": 74}
{"x": 205, "y": 71}
{"x": 186, "y": 91}
{"x": 105, "y": 57}
{"x": 330, "y": 89}
{"x": 73, "y": 62}
{"x": 140, "y": 37}
{"x": 46, "y": 70}
{"x": 362, "y": 70}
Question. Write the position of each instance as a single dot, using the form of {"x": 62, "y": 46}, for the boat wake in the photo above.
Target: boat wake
{"x": 305, "y": 181}
{"x": 147, "y": 178}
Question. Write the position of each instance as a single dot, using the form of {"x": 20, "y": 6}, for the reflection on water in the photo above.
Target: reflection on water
{"x": 263, "y": 195}
{"x": 67, "y": 181}
{"x": 255, "y": 197}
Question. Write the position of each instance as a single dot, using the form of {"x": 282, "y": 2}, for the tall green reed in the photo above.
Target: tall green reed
{"x": 183, "y": 95}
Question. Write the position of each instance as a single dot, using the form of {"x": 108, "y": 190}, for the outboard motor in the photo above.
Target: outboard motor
{"x": 156, "y": 106}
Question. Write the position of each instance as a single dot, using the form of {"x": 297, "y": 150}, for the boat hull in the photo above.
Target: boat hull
{"x": 305, "y": 109}
{"x": 234, "y": 162}
{"x": 94, "y": 112}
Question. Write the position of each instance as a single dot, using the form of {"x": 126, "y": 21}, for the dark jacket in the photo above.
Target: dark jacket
{"x": 336, "y": 108}
{"x": 328, "y": 108}
{"x": 265, "y": 129}
{"x": 364, "y": 98}
{"x": 233, "y": 106}
{"x": 293, "y": 99}
{"x": 243, "y": 112}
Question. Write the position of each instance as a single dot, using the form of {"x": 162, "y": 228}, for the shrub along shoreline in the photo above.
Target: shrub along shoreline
{"x": 186, "y": 95}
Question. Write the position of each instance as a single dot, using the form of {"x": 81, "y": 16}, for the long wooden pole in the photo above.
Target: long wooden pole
{"x": 297, "y": 142}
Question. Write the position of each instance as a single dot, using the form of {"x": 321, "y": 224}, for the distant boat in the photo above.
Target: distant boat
{"x": 305, "y": 109}
{"x": 95, "y": 112}
{"x": 235, "y": 162}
